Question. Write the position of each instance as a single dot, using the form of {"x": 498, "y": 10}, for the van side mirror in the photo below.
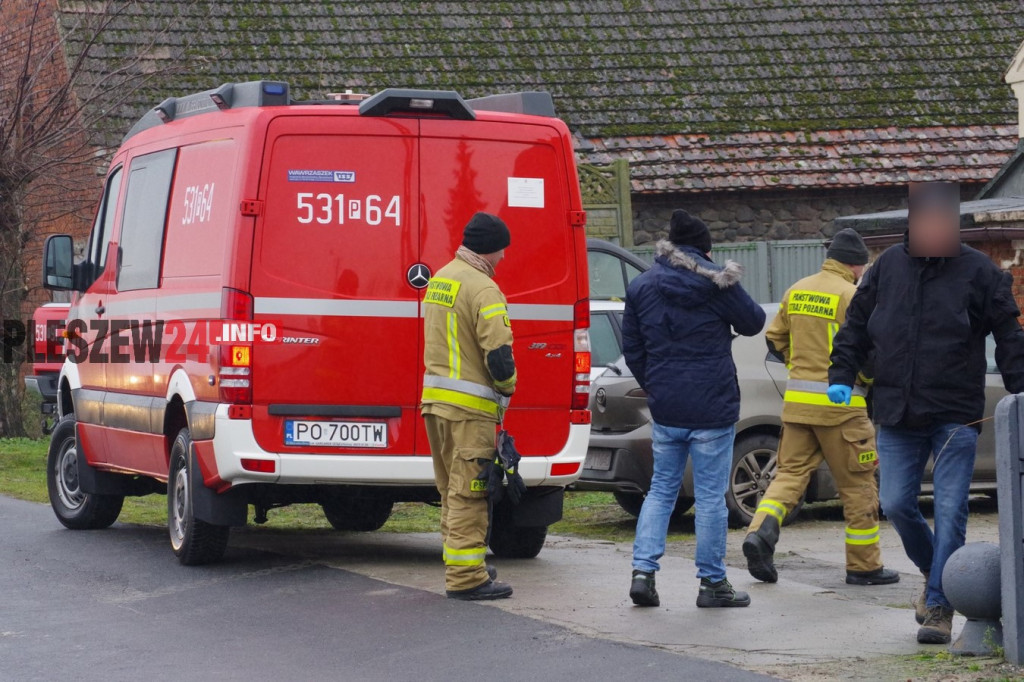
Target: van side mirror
{"x": 59, "y": 262}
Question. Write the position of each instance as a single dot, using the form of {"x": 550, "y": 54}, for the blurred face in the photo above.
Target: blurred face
{"x": 858, "y": 270}
{"x": 934, "y": 219}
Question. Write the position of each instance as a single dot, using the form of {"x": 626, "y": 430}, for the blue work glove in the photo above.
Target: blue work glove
{"x": 840, "y": 394}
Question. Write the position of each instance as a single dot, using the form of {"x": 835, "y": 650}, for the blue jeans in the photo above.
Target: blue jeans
{"x": 902, "y": 456}
{"x": 711, "y": 450}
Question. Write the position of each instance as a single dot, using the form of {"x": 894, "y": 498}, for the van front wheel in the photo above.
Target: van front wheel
{"x": 75, "y": 509}
{"x": 517, "y": 542}
{"x": 194, "y": 542}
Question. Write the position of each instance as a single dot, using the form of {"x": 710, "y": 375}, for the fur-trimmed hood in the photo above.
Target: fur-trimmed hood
{"x": 690, "y": 258}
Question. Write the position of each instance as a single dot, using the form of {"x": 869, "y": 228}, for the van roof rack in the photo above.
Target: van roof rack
{"x": 534, "y": 103}
{"x": 265, "y": 93}
{"x": 417, "y": 102}
{"x": 227, "y": 96}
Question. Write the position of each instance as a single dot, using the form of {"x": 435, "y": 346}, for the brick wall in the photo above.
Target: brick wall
{"x": 764, "y": 215}
{"x": 62, "y": 197}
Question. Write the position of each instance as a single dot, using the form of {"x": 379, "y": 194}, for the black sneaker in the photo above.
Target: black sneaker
{"x": 642, "y": 591}
{"x": 879, "y": 576}
{"x": 759, "y": 558}
{"x": 713, "y": 595}
{"x": 486, "y": 592}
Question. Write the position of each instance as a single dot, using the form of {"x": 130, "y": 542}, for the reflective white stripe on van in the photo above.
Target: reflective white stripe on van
{"x": 195, "y": 305}
{"x": 540, "y": 312}
{"x": 342, "y": 308}
{"x": 380, "y": 308}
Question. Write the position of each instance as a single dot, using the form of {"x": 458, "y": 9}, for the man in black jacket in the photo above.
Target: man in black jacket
{"x": 926, "y": 319}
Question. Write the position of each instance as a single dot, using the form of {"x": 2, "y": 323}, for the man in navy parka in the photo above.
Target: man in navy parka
{"x": 678, "y": 327}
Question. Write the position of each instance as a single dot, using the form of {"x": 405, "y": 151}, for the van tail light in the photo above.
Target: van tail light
{"x": 581, "y": 355}
{"x": 235, "y": 360}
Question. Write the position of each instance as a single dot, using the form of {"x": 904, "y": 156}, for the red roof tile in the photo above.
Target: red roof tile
{"x": 825, "y": 158}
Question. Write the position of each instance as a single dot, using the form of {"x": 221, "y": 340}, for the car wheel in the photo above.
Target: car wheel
{"x": 755, "y": 460}
{"x": 517, "y": 542}
{"x": 361, "y": 514}
{"x": 631, "y": 503}
{"x": 194, "y": 542}
{"x": 74, "y": 509}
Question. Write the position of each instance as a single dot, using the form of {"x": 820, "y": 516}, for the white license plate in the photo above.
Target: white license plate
{"x": 336, "y": 434}
{"x": 598, "y": 460}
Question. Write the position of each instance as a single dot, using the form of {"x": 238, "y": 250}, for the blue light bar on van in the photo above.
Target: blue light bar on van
{"x": 270, "y": 88}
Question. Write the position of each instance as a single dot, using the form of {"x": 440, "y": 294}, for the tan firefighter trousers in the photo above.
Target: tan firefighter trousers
{"x": 849, "y": 450}
{"x": 461, "y": 450}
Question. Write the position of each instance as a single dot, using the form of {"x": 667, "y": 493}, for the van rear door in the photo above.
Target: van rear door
{"x": 520, "y": 173}
{"x": 331, "y": 257}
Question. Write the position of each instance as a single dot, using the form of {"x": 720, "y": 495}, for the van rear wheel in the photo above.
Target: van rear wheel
{"x": 194, "y": 542}
{"x": 362, "y": 514}
{"x": 74, "y": 509}
{"x": 517, "y": 542}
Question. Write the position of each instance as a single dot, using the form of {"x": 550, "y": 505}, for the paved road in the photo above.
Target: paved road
{"x": 115, "y": 605}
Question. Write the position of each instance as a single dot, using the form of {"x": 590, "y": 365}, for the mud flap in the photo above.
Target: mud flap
{"x": 542, "y": 506}
{"x": 229, "y": 508}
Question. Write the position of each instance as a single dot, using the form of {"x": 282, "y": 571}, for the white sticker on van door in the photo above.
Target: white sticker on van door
{"x": 526, "y": 192}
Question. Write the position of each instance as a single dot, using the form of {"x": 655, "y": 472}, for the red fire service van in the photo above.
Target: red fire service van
{"x": 246, "y": 327}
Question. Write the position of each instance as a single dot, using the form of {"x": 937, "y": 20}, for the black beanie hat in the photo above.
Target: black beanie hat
{"x": 687, "y": 230}
{"x": 848, "y": 247}
{"x": 486, "y": 233}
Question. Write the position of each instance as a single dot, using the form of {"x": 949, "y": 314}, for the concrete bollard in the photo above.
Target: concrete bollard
{"x": 971, "y": 580}
{"x": 1009, "y": 474}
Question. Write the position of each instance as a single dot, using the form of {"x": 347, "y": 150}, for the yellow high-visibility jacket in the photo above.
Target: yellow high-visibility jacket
{"x": 465, "y": 318}
{"x": 810, "y": 314}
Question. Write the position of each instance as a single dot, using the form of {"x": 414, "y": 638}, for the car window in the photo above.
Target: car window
{"x": 607, "y": 280}
{"x": 604, "y": 344}
{"x": 631, "y": 271}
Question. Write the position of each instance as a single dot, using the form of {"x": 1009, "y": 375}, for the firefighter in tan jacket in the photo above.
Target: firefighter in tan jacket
{"x": 814, "y": 429}
{"x": 470, "y": 372}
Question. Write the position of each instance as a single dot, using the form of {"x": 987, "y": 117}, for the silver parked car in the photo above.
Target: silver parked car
{"x": 620, "y": 460}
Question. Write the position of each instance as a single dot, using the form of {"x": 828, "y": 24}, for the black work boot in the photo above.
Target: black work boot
{"x": 642, "y": 591}
{"x": 879, "y": 576}
{"x": 713, "y": 595}
{"x": 759, "y": 548}
{"x": 486, "y": 592}
{"x": 492, "y": 572}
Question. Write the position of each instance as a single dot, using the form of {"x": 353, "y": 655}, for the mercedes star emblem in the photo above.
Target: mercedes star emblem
{"x": 418, "y": 276}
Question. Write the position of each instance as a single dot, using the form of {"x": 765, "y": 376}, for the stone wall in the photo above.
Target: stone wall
{"x": 765, "y": 215}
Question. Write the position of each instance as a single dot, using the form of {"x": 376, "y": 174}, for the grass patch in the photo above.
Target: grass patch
{"x": 586, "y": 514}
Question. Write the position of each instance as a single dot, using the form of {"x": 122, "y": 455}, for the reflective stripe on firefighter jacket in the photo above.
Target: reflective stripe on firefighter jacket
{"x": 810, "y": 314}
{"x": 465, "y": 317}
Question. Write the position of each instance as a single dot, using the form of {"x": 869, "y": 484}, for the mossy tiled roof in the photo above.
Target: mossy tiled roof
{"x": 625, "y": 69}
